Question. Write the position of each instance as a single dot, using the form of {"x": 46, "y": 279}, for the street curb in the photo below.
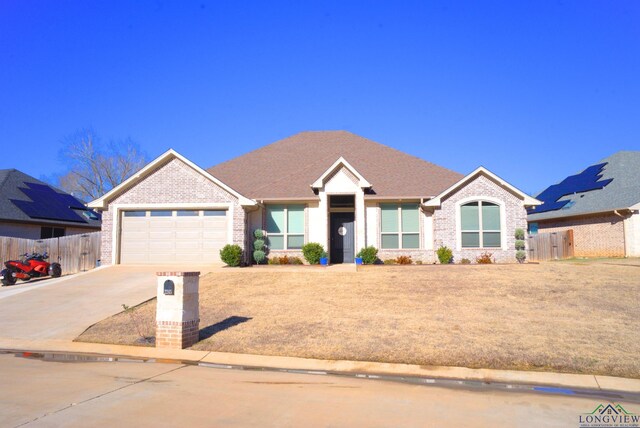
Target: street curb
{"x": 558, "y": 380}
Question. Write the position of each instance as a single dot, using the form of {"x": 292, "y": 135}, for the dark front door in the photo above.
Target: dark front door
{"x": 342, "y": 246}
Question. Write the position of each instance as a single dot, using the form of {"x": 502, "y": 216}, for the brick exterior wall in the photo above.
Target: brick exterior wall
{"x": 176, "y": 334}
{"x": 173, "y": 182}
{"x": 444, "y": 220}
{"x": 599, "y": 235}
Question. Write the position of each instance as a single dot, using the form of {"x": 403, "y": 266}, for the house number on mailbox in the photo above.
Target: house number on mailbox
{"x": 169, "y": 288}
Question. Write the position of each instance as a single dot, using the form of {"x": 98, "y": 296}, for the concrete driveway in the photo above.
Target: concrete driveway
{"x": 63, "y": 308}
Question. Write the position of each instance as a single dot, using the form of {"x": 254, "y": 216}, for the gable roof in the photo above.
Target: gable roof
{"x": 288, "y": 168}
{"x": 26, "y": 199}
{"x": 150, "y": 167}
{"x": 337, "y": 165}
{"x": 526, "y": 199}
{"x": 614, "y": 182}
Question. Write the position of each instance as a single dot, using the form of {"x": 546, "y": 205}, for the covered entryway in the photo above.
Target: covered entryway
{"x": 172, "y": 236}
{"x": 342, "y": 237}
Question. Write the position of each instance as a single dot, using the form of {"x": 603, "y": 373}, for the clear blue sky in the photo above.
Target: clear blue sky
{"x": 532, "y": 90}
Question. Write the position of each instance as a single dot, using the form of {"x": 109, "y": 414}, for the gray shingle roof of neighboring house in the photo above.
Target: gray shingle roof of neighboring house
{"x": 287, "y": 168}
{"x": 13, "y": 184}
{"x": 622, "y": 192}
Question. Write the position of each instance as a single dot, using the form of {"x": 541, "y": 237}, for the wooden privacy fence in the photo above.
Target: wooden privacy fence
{"x": 76, "y": 253}
{"x": 550, "y": 246}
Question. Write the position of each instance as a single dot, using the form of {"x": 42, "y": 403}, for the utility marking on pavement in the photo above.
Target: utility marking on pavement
{"x": 554, "y": 390}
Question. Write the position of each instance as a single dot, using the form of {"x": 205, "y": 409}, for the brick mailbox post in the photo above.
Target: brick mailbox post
{"x": 177, "y": 312}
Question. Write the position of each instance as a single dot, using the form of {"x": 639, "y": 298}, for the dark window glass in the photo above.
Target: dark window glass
{"x": 215, "y": 213}
{"x": 342, "y": 201}
{"x": 161, "y": 213}
{"x": 135, "y": 213}
{"x": 187, "y": 213}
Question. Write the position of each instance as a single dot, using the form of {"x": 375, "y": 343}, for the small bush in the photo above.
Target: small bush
{"x": 465, "y": 262}
{"x": 259, "y": 256}
{"x": 519, "y": 233}
{"x": 521, "y": 256}
{"x": 258, "y": 244}
{"x": 274, "y": 261}
{"x": 258, "y": 234}
{"x": 445, "y": 255}
{"x": 369, "y": 255}
{"x": 312, "y": 252}
{"x": 295, "y": 261}
{"x": 485, "y": 258}
{"x": 404, "y": 260}
{"x": 390, "y": 262}
{"x": 231, "y": 255}
{"x": 284, "y": 260}
{"x": 519, "y": 244}
{"x": 418, "y": 262}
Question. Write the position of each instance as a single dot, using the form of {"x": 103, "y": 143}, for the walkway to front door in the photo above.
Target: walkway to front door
{"x": 342, "y": 237}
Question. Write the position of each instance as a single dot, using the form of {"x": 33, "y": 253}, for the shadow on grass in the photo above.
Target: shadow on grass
{"x": 232, "y": 321}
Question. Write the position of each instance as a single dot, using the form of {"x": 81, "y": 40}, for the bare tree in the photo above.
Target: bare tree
{"x": 95, "y": 168}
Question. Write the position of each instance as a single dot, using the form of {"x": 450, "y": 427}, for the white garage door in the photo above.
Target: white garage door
{"x": 172, "y": 236}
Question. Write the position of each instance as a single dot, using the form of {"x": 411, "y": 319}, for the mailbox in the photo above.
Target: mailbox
{"x": 169, "y": 288}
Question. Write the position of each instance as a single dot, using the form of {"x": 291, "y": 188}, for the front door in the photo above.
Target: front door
{"x": 342, "y": 242}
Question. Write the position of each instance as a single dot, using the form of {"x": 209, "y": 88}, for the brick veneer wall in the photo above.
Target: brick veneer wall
{"x": 173, "y": 182}
{"x": 600, "y": 235}
{"x": 444, "y": 220}
{"x": 177, "y": 334}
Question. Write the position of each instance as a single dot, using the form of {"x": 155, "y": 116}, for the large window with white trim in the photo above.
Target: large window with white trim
{"x": 399, "y": 226}
{"x": 480, "y": 225}
{"x": 285, "y": 227}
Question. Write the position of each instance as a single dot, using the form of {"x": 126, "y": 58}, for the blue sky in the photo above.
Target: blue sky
{"x": 532, "y": 90}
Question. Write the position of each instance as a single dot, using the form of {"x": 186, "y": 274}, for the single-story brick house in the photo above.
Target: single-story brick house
{"x": 601, "y": 204}
{"x": 32, "y": 209}
{"x": 331, "y": 187}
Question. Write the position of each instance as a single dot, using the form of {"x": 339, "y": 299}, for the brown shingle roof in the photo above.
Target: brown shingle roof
{"x": 286, "y": 168}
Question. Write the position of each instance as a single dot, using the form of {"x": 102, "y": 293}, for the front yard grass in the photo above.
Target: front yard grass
{"x": 565, "y": 317}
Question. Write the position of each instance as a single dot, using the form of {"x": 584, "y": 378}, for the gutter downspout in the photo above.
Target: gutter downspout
{"x": 624, "y": 231}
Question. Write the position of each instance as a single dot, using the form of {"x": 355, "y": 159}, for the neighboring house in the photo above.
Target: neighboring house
{"x": 600, "y": 204}
{"x": 32, "y": 209}
{"x": 331, "y": 187}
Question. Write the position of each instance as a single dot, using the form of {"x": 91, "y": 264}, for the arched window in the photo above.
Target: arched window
{"x": 480, "y": 225}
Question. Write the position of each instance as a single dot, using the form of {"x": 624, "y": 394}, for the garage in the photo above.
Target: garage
{"x": 172, "y": 236}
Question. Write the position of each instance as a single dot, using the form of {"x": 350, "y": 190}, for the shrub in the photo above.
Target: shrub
{"x": 445, "y": 255}
{"x": 259, "y": 256}
{"x": 418, "y": 262}
{"x": 465, "y": 262}
{"x": 521, "y": 256}
{"x": 274, "y": 261}
{"x": 231, "y": 255}
{"x": 519, "y": 244}
{"x": 258, "y": 234}
{"x": 390, "y": 262}
{"x": 284, "y": 260}
{"x": 258, "y": 244}
{"x": 519, "y": 233}
{"x": 312, "y": 252}
{"x": 369, "y": 255}
{"x": 295, "y": 261}
{"x": 404, "y": 260}
{"x": 485, "y": 258}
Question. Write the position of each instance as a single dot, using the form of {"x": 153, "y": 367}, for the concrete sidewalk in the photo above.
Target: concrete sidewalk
{"x": 561, "y": 380}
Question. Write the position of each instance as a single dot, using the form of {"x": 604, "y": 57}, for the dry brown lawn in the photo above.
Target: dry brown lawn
{"x": 581, "y": 317}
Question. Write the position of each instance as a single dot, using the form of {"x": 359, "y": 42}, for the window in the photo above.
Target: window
{"x": 161, "y": 213}
{"x": 285, "y": 226}
{"x": 480, "y": 224}
{"x": 51, "y": 232}
{"x": 135, "y": 213}
{"x": 214, "y": 213}
{"x": 187, "y": 213}
{"x": 399, "y": 226}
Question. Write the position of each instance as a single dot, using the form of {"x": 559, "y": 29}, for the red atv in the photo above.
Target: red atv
{"x": 32, "y": 266}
